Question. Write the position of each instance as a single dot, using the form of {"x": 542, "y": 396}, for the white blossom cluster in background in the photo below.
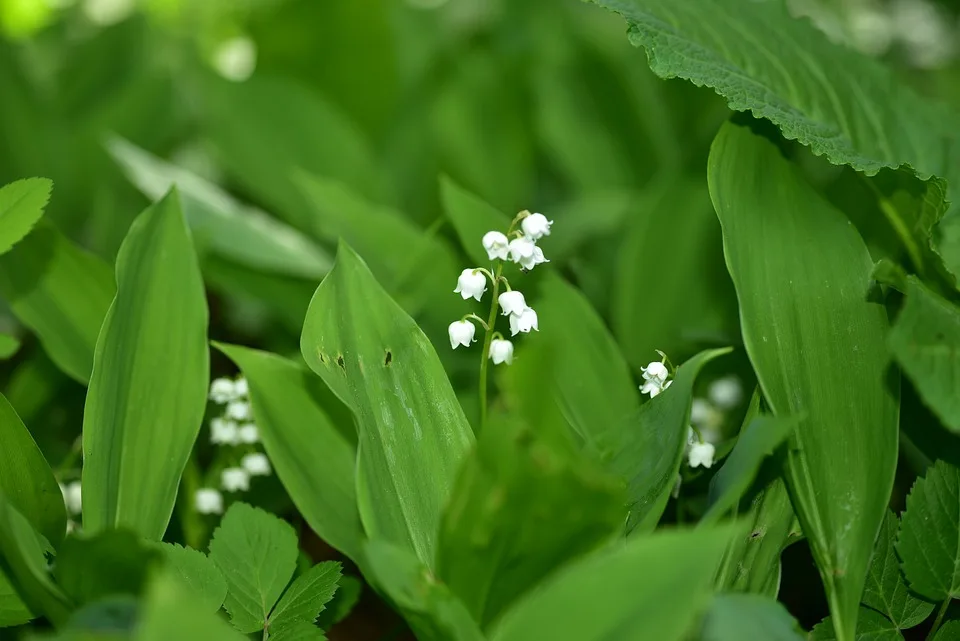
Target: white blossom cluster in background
{"x": 707, "y": 416}
{"x": 236, "y": 429}
{"x": 72, "y": 500}
{"x": 522, "y": 249}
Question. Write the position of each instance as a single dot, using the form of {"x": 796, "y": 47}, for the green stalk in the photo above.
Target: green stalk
{"x": 488, "y": 336}
{"x": 939, "y": 620}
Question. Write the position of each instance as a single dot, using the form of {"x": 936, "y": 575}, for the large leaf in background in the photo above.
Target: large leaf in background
{"x": 737, "y": 617}
{"x": 886, "y": 590}
{"x": 257, "y": 554}
{"x": 871, "y": 626}
{"x": 838, "y": 102}
{"x": 112, "y": 562}
{"x": 23, "y": 562}
{"x": 802, "y": 273}
{"x": 929, "y": 541}
{"x": 225, "y": 226}
{"x": 12, "y": 609}
{"x": 926, "y": 343}
{"x": 147, "y": 393}
{"x": 61, "y": 293}
{"x": 297, "y": 434}
{"x": 21, "y": 206}
{"x": 589, "y": 217}
{"x": 472, "y": 217}
{"x": 413, "y": 264}
{"x": 267, "y": 129}
{"x": 522, "y": 507}
{"x": 413, "y": 433}
{"x": 169, "y": 612}
{"x": 670, "y": 291}
{"x": 9, "y": 345}
{"x": 653, "y": 587}
{"x": 434, "y": 613}
{"x": 26, "y": 479}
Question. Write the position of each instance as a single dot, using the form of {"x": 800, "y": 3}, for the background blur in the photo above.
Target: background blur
{"x": 338, "y": 117}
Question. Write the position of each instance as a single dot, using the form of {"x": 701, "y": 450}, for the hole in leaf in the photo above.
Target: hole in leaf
{"x": 340, "y": 363}
{"x": 388, "y": 359}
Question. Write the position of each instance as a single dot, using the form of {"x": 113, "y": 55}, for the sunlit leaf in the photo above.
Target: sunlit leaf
{"x": 21, "y": 206}
{"x": 198, "y": 573}
{"x": 109, "y": 563}
{"x": 170, "y": 613}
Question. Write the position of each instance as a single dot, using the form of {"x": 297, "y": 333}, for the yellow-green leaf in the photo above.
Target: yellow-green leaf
{"x": 21, "y": 206}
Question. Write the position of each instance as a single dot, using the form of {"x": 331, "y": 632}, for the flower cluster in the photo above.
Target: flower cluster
{"x": 655, "y": 377}
{"x": 472, "y": 283}
{"x": 707, "y": 416}
{"x": 236, "y": 429}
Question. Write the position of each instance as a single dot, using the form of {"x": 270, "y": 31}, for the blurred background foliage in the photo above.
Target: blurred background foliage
{"x": 290, "y": 123}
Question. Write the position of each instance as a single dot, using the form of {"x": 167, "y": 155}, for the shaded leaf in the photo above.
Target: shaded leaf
{"x": 147, "y": 394}
{"x": 886, "y": 590}
{"x": 949, "y": 631}
{"x": 170, "y": 613}
{"x": 256, "y": 552}
{"x": 346, "y": 598}
{"x": 816, "y": 345}
{"x": 198, "y": 573}
{"x": 21, "y": 206}
{"x": 8, "y": 346}
{"x": 109, "y": 563}
{"x": 12, "y": 609}
{"x": 306, "y": 597}
{"x": 413, "y": 433}
{"x": 871, "y": 626}
{"x": 26, "y": 479}
{"x": 735, "y": 617}
{"x": 472, "y": 217}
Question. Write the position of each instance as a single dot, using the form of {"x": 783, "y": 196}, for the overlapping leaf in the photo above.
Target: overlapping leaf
{"x": 886, "y": 590}
{"x": 198, "y": 573}
{"x": 306, "y": 597}
{"x": 871, "y": 626}
{"x": 21, "y": 206}
{"x": 736, "y": 617}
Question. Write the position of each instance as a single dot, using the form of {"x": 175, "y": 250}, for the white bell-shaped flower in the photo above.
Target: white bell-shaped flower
{"x": 461, "y": 333}
{"x": 256, "y": 463}
{"x": 521, "y": 248}
{"x": 536, "y": 226}
{"x": 501, "y": 351}
{"x": 701, "y": 454}
{"x": 523, "y": 322}
{"x": 497, "y": 245}
{"x": 222, "y": 390}
{"x": 655, "y": 371}
{"x": 726, "y": 393}
{"x": 512, "y": 302}
{"x": 207, "y": 500}
{"x": 248, "y": 433}
{"x": 223, "y": 432}
{"x": 654, "y": 387}
{"x": 239, "y": 411}
{"x": 241, "y": 388}
{"x": 72, "y": 497}
{"x": 537, "y": 258}
{"x": 235, "y": 479}
{"x": 471, "y": 283}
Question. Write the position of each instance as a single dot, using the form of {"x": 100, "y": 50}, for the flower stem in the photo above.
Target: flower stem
{"x": 939, "y": 619}
{"x": 488, "y": 336}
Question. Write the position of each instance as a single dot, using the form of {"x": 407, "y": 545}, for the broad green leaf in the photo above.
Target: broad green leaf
{"x": 413, "y": 433}
{"x": 316, "y": 464}
{"x": 301, "y": 631}
{"x": 306, "y": 597}
{"x": 817, "y": 345}
{"x": 757, "y": 441}
{"x": 653, "y": 587}
{"x": 228, "y": 228}
{"x": 147, "y": 394}
{"x": 12, "y": 609}
{"x": 108, "y": 563}
{"x": 929, "y": 540}
{"x": 591, "y": 216}
{"x": 8, "y": 346}
{"x": 256, "y": 553}
{"x": 171, "y": 613}
{"x": 840, "y": 103}
{"x": 886, "y": 590}
{"x": 114, "y": 616}
{"x": 434, "y": 613}
{"x": 926, "y": 343}
{"x": 23, "y": 561}
{"x": 522, "y": 507}
{"x": 472, "y": 217}
{"x": 268, "y": 128}
{"x": 736, "y": 617}
{"x": 61, "y": 293}
{"x": 21, "y": 206}
{"x": 26, "y": 479}
{"x": 198, "y": 573}
{"x": 949, "y": 631}
{"x": 871, "y": 626}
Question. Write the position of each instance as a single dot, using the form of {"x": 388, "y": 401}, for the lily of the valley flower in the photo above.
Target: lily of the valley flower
{"x": 497, "y": 245}
{"x": 655, "y": 371}
{"x": 521, "y": 249}
{"x": 537, "y": 258}
{"x": 72, "y": 497}
{"x": 248, "y": 433}
{"x": 653, "y": 388}
{"x": 222, "y": 390}
{"x": 207, "y": 500}
{"x": 536, "y": 226}
{"x": 239, "y": 410}
{"x": 235, "y": 479}
{"x": 512, "y": 302}
{"x": 701, "y": 454}
{"x": 256, "y": 463}
{"x": 523, "y": 322}
{"x": 726, "y": 393}
{"x": 461, "y": 333}
{"x": 501, "y": 351}
{"x": 472, "y": 282}
{"x": 223, "y": 432}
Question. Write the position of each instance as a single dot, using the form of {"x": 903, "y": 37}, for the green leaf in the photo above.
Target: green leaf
{"x": 925, "y": 340}
{"x": 818, "y": 352}
{"x": 21, "y": 206}
{"x": 346, "y": 598}
{"x": 735, "y": 617}
{"x": 113, "y": 616}
{"x": 301, "y": 631}
{"x": 949, "y": 631}
{"x": 61, "y": 293}
{"x": 257, "y": 553}
{"x": 413, "y": 433}
{"x": 171, "y": 613}
{"x": 929, "y": 541}
{"x": 23, "y": 561}
{"x": 871, "y": 626}
{"x": 522, "y": 507}
{"x": 9, "y": 345}
{"x": 306, "y": 597}
{"x": 297, "y": 434}
{"x": 472, "y": 217}
{"x": 757, "y": 441}
{"x": 433, "y": 612}
{"x": 26, "y": 479}
{"x": 886, "y": 590}
{"x": 12, "y": 609}
{"x": 653, "y": 587}
{"x": 108, "y": 563}
{"x": 840, "y": 103}
{"x": 198, "y": 573}
{"x": 228, "y": 228}
{"x": 147, "y": 394}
